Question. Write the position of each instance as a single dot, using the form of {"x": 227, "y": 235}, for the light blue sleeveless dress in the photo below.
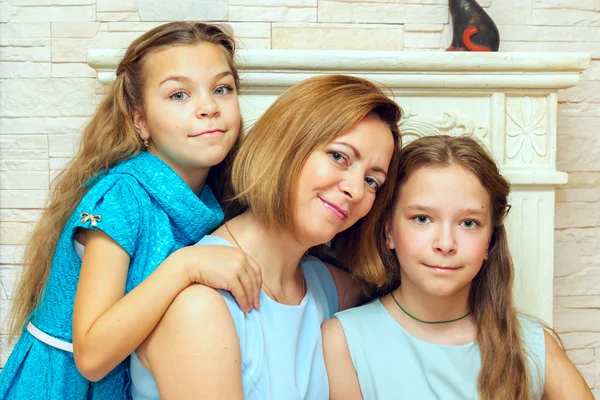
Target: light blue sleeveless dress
{"x": 144, "y": 206}
{"x": 393, "y": 365}
{"x": 281, "y": 345}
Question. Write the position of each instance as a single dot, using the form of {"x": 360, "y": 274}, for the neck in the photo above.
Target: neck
{"x": 277, "y": 253}
{"x": 195, "y": 178}
{"x": 428, "y": 307}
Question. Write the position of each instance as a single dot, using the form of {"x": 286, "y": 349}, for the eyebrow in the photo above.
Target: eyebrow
{"x": 180, "y": 78}
{"x": 420, "y": 207}
{"x": 358, "y": 156}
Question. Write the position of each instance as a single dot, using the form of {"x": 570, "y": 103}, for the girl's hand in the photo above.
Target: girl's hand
{"x": 227, "y": 268}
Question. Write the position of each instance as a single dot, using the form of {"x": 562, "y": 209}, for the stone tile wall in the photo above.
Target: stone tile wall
{"x": 47, "y": 93}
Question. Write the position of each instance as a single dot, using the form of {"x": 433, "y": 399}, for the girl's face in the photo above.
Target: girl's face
{"x": 441, "y": 229}
{"x": 337, "y": 184}
{"x": 190, "y": 112}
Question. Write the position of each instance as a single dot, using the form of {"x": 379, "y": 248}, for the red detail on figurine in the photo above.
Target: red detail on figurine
{"x": 472, "y": 27}
{"x": 470, "y": 31}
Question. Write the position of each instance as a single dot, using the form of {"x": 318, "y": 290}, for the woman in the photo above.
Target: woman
{"x": 312, "y": 167}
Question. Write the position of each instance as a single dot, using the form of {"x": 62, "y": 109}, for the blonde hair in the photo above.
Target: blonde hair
{"x": 503, "y": 373}
{"x": 306, "y": 117}
{"x": 109, "y": 138}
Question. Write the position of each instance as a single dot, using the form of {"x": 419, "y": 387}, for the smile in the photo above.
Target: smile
{"x": 335, "y": 210}
{"x": 213, "y": 132}
{"x": 442, "y": 268}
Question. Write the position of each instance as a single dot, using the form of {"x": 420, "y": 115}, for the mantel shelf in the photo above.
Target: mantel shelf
{"x": 395, "y": 69}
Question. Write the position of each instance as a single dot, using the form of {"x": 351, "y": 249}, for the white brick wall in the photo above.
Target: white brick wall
{"x": 47, "y": 93}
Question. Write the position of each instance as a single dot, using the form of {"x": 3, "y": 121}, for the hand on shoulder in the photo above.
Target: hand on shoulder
{"x": 224, "y": 267}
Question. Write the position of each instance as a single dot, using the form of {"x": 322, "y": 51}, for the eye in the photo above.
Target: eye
{"x": 337, "y": 157}
{"x": 421, "y": 219}
{"x": 179, "y": 96}
{"x": 371, "y": 182}
{"x": 470, "y": 224}
{"x": 223, "y": 90}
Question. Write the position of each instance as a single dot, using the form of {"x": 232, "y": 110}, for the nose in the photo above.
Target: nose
{"x": 353, "y": 186}
{"x": 444, "y": 241}
{"x": 207, "y": 107}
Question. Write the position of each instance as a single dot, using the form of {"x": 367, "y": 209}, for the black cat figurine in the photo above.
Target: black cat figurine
{"x": 473, "y": 29}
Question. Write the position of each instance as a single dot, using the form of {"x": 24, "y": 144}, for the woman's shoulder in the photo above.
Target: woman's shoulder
{"x": 213, "y": 240}
{"x": 199, "y": 306}
{"x": 322, "y": 281}
{"x": 200, "y": 303}
{"x": 315, "y": 269}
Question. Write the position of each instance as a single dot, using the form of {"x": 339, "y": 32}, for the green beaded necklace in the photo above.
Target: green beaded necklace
{"x": 427, "y": 322}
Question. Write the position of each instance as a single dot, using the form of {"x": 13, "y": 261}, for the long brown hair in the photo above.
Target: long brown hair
{"x": 503, "y": 373}
{"x": 306, "y": 117}
{"x": 109, "y": 138}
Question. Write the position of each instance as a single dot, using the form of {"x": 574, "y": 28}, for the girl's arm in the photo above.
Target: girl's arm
{"x": 194, "y": 352}
{"x": 343, "y": 381}
{"x": 563, "y": 380}
{"x": 108, "y": 326}
{"x": 351, "y": 292}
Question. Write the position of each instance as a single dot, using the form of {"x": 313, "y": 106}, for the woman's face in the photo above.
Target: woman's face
{"x": 338, "y": 183}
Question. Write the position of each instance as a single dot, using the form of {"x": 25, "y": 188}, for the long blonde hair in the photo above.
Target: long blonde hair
{"x": 306, "y": 117}
{"x": 503, "y": 373}
{"x": 109, "y": 138}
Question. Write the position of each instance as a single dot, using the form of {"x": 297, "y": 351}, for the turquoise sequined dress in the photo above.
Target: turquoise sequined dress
{"x": 144, "y": 206}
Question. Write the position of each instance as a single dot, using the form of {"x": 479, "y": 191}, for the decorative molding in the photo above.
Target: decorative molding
{"x": 413, "y": 127}
{"x": 527, "y": 128}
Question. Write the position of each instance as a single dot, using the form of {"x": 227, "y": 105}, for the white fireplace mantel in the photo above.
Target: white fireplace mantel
{"x": 507, "y": 100}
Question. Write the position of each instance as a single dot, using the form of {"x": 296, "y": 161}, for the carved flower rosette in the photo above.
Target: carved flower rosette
{"x": 526, "y": 129}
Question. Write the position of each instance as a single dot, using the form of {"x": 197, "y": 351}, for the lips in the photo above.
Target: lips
{"x": 442, "y": 268}
{"x": 211, "y": 132}
{"x": 335, "y": 209}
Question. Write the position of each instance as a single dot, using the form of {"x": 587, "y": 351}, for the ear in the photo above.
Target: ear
{"x": 389, "y": 239}
{"x": 140, "y": 123}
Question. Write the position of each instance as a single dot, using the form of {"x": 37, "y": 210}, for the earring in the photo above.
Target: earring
{"x": 146, "y": 142}
{"x": 486, "y": 257}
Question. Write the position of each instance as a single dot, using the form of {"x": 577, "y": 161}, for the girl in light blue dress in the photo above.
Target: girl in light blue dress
{"x": 316, "y": 166}
{"x": 449, "y": 328}
{"x": 108, "y": 256}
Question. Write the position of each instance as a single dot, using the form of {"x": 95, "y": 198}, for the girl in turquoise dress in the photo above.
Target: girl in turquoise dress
{"x": 449, "y": 328}
{"x": 108, "y": 255}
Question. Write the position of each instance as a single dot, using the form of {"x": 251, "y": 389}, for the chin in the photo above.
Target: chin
{"x": 452, "y": 291}
{"x": 317, "y": 237}
{"x": 322, "y": 239}
{"x": 209, "y": 162}
{"x": 439, "y": 291}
